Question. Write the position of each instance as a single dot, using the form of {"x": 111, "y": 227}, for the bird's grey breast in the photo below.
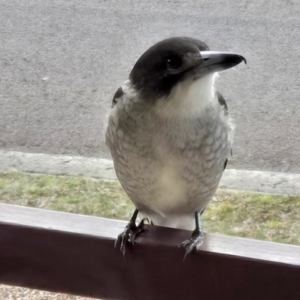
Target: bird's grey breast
{"x": 168, "y": 164}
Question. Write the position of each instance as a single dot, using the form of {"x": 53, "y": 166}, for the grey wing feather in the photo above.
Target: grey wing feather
{"x": 223, "y": 103}
{"x": 118, "y": 94}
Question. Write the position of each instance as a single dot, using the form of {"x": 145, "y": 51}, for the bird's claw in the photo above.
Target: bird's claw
{"x": 194, "y": 242}
{"x": 129, "y": 235}
{"x": 123, "y": 238}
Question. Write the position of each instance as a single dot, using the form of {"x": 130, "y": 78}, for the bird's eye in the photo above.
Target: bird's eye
{"x": 174, "y": 62}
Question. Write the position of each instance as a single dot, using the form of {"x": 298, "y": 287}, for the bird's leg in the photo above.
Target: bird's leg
{"x": 130, "y": 233}
{"x": 197, "y": 237}
{"x": 137, "y": 231}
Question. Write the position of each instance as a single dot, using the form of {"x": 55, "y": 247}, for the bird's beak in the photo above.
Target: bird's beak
{"x": 213, "y": 61}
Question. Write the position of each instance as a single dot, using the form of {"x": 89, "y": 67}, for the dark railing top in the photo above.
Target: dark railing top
{"x": 74, "y": 254}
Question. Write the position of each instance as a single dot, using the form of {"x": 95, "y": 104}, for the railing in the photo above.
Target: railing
{"x": 75, "y": 254}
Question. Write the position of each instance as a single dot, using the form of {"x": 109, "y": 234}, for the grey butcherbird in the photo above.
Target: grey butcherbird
{"x": 170, "y": 135}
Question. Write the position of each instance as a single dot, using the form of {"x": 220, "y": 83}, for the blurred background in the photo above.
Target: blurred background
{"x": 62, "y": 61}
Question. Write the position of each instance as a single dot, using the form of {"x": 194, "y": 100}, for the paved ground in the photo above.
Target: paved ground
{"x": 61, "y": 61}
{"x": 18, "y": 293}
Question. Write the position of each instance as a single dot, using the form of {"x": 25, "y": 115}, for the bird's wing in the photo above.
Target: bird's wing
{"x": 223, "y": 104}
{"x": 118, "y": 95}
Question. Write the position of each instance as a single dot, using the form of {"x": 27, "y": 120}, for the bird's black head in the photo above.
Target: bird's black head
{"x": 163, "y": 65}
{"x": 172, "y": 60}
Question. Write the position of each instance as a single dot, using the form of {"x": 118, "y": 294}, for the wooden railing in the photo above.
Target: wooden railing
{"x": 75, "y": 254}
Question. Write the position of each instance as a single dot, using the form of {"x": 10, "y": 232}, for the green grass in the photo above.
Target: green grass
{"x": 245, "y": 214}
{"x": 74, "y": 194}
{"x": 259, "y": 216}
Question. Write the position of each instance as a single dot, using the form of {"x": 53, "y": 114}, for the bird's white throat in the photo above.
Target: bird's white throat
{"x": 189, "y": 98}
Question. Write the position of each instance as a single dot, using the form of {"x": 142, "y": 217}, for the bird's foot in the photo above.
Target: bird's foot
{"x": 129, "y": 235}
{"x": 194, "y": 242}
{"x": 197, "y": 238}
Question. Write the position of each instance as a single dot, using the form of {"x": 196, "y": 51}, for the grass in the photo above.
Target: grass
{"x": 246, "y": 214}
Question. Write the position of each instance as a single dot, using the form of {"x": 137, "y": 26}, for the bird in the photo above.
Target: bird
{"x": 170, "y": 135}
